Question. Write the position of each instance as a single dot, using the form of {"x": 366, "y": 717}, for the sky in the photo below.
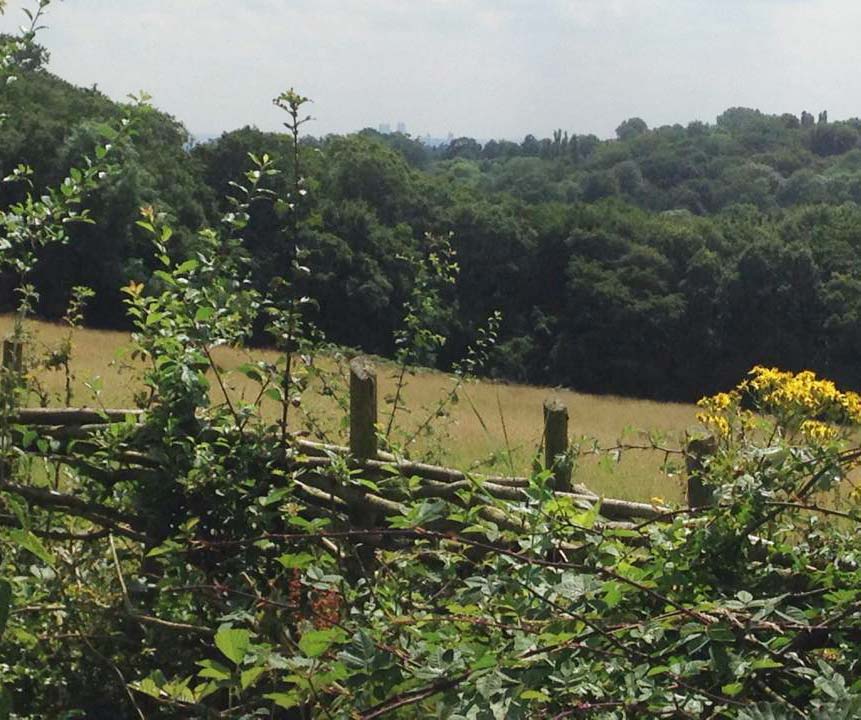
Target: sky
{"x": 481, "y": 68}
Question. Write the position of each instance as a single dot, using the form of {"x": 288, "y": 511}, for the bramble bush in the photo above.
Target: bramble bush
{"x": 201, "y": 560}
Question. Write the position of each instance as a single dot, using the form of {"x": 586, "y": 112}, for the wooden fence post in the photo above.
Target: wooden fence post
{"x": 13, "y": 355}
{"x": 363, "y": 409}
{"x": 697, "y": 451}
{"x": 556, "y": 443}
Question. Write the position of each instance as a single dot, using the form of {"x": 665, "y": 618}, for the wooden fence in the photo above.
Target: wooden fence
{"x": 363, "y": 453}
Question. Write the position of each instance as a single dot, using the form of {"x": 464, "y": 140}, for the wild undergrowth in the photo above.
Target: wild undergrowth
{"x": 203, "y": 559}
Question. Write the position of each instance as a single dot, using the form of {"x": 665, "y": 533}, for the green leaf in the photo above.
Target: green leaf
{"x": 284, "y": 700}
{"x": 297, "y": 560}
{"x": 316, "y": 642}
{"x": 485, "y": 661}
{"x": 275, "y": 496}
{"x": 168, "y": 547}
{"x": 587, "y": 519}
{"x": 274, "y": 394}
{"x": 621, "y": 533}
{"x": 204, "y": 690}
{"x": 534, "y": 695}
{"x": 214, "y": 670}
{"x": 613, "y": 594}
{"x": 362, "y": 653}
{"x": 166, "y": 277}
{"x": 765, "y": 664}
{"x": 250, "y": 676}
{"x": 148, "y": 686}
{"x": 28, "y": 541}
{"x": 732, "y": 689}
{"x": 20, "y": 510}
{"x": 107, "y": 131}
{"x": 233, "y": 643}
{"x": 187, "y": 267}
{"x": 250, "y": 371}
{"x": 204, "y": 314}
{"x": 721, "y": 633}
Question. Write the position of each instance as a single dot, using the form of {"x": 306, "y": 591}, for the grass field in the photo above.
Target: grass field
{"x": 471, "y": 433}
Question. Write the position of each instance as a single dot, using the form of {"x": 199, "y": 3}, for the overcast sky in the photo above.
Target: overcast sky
{"x": 484, "y": 68}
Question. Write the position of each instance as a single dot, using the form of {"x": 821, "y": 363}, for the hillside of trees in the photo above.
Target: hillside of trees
{"x": 662, "y": 263}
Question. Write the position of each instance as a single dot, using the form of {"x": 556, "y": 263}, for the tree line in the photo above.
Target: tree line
{"x": 662, "y": 263}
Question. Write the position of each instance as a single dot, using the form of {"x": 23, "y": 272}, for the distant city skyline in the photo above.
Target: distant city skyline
{"x": 479, "y": 68}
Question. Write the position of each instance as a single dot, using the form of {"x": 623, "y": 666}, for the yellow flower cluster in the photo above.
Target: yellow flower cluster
{"x": 817, "y": 431}
{"x": 134, "y": 289}
{"x": 717, "y": 410}
{"x": 721, "y": 402}
{"x": 799, "y": 401}
{"x": 802, "y": 395}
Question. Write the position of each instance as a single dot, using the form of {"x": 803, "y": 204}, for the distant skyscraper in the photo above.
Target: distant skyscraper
{"x": 385, "y": 129}
{"x": 402, "y": 128}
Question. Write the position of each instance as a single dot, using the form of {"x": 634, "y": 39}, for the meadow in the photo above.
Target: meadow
{"x": 487, "y": 426}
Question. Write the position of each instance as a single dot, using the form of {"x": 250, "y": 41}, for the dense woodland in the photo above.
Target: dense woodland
{"x": 661, "y": 263}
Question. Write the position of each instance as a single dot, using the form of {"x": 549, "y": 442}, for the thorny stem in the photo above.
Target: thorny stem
{"x": 397, "y": 401}
{"x": 286, "y": 382}
{"x": 214, "y": 366}
{"x": 435, "y": 413}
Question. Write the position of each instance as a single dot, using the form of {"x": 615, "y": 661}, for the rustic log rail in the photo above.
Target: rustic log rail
{"x": 363, "y": 453}
{"x": 73, "y": 417}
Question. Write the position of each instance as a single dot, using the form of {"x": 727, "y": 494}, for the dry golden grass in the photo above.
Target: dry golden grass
{"x": 470, "y": 434}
